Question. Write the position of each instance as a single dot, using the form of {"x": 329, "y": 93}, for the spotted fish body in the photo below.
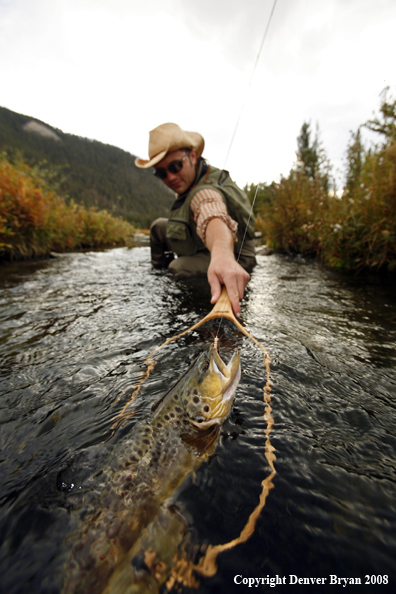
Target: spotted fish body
{"x": 181, "y": 433}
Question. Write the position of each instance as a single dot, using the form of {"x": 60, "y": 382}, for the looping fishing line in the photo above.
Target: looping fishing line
{"x": 183, "y": 571}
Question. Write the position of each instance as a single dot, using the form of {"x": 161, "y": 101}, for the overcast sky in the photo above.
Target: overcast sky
{"x": 111, "y": 70}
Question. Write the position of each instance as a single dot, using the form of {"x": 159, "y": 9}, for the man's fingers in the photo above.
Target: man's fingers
{"x": 235, "y": 281}
{"x": 236, "y": 285}
{"x": 215, "y": 287}
{"x": 242, "y": 281}
{"x": 233, "y": 295}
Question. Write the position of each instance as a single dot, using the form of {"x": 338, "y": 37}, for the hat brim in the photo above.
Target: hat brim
{"x": 142, "y": 164}
{"x": 173, "y": 138}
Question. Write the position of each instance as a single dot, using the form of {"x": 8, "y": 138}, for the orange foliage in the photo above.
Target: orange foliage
{"x": 34, "y": 220}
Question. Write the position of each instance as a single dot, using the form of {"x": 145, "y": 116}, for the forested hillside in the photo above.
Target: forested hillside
{"x": 90, "y": 172}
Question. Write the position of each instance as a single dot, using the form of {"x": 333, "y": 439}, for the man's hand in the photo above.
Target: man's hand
{"x": 223, "y": 268}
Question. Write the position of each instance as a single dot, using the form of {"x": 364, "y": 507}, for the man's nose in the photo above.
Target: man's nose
{"x": 170, "y": 176}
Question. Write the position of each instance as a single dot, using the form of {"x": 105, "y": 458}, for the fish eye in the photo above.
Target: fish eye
{"x": 205, "y": 366}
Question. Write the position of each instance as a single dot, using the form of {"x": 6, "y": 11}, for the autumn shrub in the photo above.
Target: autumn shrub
{"x": 363, "y": 221}
{"x": 293, "y": 220}
{"x": 35, "y": 220}
{"x": 355, "y": 231}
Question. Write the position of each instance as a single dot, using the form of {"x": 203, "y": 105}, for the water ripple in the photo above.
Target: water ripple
{"x": 74, "y": 336}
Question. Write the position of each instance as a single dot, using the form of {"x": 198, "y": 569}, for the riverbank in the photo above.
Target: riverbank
{"x": 355, "y": 231}
{"x": 35, "y": 220}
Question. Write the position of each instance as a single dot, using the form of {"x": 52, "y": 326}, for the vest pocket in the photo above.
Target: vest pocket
{"x": 178, "y": 234}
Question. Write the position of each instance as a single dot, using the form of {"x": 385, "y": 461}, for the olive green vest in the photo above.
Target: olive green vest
{"x": 181, "y": 229}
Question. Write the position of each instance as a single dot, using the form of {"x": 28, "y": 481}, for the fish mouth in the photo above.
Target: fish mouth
{"x": 229, "y": 375}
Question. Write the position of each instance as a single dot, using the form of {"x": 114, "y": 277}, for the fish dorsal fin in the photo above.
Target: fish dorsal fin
{"x": 160, "y": 400}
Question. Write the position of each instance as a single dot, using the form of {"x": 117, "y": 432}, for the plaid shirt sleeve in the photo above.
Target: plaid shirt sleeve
{"x": 206, "y": 205}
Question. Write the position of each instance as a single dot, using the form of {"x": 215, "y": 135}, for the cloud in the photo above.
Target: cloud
{"x": 113, "y": 71}
{"x": 236, "y": 26}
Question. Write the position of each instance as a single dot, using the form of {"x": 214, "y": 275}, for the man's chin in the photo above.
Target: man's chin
{"x": 178, "y": 188}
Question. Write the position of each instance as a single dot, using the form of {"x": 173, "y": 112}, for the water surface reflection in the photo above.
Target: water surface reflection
{"x": 75, "y": 332}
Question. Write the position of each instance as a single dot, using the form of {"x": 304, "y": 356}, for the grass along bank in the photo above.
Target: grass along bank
{"x": 35, "y": 220}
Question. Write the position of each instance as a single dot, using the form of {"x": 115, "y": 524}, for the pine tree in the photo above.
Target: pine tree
{"x": 355, "y": 161}
{"x": 307, "y": 153}
{"x": 386, "y": 125}
{"x": 312, "y": 158}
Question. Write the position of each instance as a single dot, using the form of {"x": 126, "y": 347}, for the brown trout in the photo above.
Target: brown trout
{"x": 134, "y": 489}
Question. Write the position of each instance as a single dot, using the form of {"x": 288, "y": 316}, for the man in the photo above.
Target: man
{"x": 209, "y": 225}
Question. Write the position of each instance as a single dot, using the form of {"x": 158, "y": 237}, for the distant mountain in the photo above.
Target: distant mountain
{"x": 95, "y": 174}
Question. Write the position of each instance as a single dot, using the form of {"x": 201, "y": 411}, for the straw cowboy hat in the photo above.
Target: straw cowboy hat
{"x": 167, "y": 138}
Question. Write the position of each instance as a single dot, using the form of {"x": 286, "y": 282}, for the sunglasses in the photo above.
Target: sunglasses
{"x": 173, "y": 167}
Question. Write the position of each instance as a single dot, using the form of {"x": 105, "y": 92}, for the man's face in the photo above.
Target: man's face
{"x": 179, "y": 182}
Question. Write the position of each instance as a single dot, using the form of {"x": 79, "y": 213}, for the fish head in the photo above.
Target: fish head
{"x": 210, "y": 387}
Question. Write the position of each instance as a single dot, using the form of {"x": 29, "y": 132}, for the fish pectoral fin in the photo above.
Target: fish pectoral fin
{"x": 198, "y": 441}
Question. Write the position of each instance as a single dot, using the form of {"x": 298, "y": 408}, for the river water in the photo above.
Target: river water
{"x": 75, "y": 332}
